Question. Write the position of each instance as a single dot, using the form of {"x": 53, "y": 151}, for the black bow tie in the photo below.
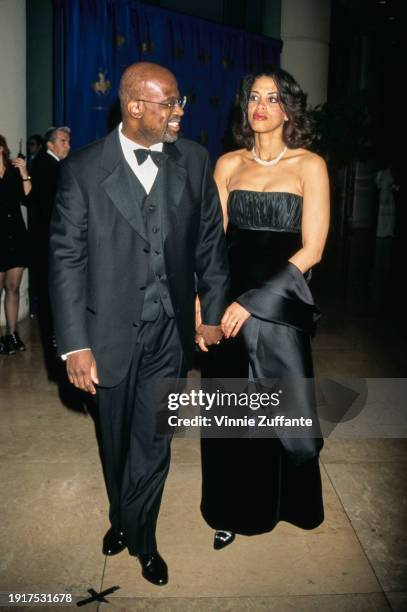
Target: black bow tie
{"x": 157, "y": 156}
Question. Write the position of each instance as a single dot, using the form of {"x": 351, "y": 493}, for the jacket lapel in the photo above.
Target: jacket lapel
{"x": 169, "y": 187}
{"x": 118, "y": 186}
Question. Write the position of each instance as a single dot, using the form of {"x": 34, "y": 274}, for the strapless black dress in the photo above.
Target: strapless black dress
{"x": 250, "y": 484}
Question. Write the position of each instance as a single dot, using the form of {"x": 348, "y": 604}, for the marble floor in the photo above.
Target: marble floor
{"x": 53, "y": 504}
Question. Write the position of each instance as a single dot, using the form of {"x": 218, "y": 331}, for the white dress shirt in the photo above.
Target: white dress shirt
{"x": 146, "y": 174}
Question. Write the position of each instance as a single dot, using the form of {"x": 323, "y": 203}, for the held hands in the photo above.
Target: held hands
{"x": 205, "y": 335}
{"x": 21, "y": 164}
{"x": 233, "y": 319}
{"x": 81, "y": 370}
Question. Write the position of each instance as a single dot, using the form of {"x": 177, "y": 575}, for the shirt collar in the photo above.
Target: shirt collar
{"x": 53, "y": 154}
{"x": 131, "y": 145}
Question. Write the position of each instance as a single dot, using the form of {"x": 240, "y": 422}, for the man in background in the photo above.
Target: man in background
{"x": 44, "y": 174}
{"x": 35, "y": 144}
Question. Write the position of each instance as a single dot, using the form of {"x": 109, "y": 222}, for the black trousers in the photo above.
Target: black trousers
{"x": 135, "y": 457}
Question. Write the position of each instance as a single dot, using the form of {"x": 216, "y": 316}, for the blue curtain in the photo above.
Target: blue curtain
{"x": 102, "y": 37}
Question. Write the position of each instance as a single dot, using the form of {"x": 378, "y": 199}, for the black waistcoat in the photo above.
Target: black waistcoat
{"x": 157, "y": 293}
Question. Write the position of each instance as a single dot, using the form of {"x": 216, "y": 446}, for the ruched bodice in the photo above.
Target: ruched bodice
{"x": 278, "y": 211}
{"x": 264, "y": 231}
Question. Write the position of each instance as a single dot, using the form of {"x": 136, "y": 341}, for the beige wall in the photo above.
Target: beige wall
{"x": 13, "y": 89}
{"x": 305, "y": 30}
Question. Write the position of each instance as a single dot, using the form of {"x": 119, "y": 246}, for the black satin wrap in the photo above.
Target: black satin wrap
{"x": 250, "y": 485}
{"x": 284, "y": 298}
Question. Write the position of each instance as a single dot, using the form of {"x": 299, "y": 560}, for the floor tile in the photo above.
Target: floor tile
{"x": 374, "y": 496}
{"x": 364, "y": 450}
{"x": 61, "y": 437}
{"x": 287, "y": 561}
{"x": 398, "y": 601}
{"x": 370, "y": 602}
{"x": 51, "y": 528}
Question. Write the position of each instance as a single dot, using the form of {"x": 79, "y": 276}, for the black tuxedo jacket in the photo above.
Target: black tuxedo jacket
{"x": 99, "y": 252}
{"x": 44, "y": 171}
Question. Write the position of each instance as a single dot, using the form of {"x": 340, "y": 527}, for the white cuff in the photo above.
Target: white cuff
{"x": 65, "y": 355}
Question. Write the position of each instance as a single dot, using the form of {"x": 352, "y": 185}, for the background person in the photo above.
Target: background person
{"x": 35, "y": 144}
{"x": 15, "y": 185}
{"x": 45, "y": 174}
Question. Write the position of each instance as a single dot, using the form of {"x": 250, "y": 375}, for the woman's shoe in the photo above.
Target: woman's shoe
{"x": 222, "y": 539}
{"x": 16, "y": 341}
{"x": 2, "y": 349}
{"x": 8, "y": 345}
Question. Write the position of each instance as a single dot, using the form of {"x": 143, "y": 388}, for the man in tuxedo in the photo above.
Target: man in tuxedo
{"x": 45, "y": 168}
{"x": 136, "y": 230}
{"x": 44, "y": 171}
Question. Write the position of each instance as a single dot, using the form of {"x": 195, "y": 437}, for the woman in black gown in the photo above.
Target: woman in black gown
{"x": 15, "y": 185}
{"x": 275, "y": 200}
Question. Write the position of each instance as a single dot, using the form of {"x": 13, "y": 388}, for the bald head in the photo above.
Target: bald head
{"x": 150, "y": 104}
{"x": 141, "y": 79}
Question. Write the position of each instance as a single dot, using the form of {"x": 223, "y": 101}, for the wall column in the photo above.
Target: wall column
{"x": 305, "y": 31}
{"x": 13, "y": 93}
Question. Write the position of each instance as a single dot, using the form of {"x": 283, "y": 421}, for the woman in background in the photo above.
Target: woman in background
{"x": 15, "y": 185}
{"x": 275, "y": 199}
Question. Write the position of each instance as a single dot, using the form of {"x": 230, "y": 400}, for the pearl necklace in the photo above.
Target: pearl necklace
{"x": 272, "y": 162}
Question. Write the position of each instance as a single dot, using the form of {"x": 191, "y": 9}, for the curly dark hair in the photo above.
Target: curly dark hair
{"x": 6, "y": 151}
{"x": 297, "y": 131}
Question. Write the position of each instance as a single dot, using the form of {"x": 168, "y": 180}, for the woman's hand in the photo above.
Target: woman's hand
{"x": 21, "y": 164}
{"x": 233, "y": 319}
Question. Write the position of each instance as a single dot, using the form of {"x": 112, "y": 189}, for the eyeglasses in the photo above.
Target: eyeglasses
{"x": 171, "y": 104}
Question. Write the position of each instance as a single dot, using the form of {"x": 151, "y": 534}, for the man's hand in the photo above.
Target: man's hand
{"x": 207, "y": 335}
{"x": 82, "y": 371}
{"x": 233, "y": 319}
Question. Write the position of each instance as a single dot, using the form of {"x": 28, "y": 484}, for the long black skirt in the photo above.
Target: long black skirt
{"x": 250, "y": 484}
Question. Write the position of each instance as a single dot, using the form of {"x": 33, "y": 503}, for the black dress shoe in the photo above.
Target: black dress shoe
{"x": 154, "y": 568}
{"x": 222, "y": 539}
{"x": 113, "y": 542}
